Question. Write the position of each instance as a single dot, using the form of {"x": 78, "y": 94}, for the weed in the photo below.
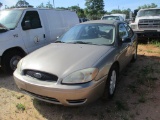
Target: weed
{"x": 149, "y": 51}
{"x": 133, "y": 87}
{"x": 19, "y": 97}
{"x": 155, "y": 43}
{"x": 20, "y": 107}
{"x": 121, "y": 106}
{"x": 142, "y": 99}
{"x": 125, "y": 118}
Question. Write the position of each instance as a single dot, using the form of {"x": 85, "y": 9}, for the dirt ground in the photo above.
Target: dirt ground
{"x": 137, "y": 96}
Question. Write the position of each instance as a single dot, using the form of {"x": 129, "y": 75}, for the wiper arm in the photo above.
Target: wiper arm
{"x": 3, "y": 27}
{"x": 80, "y": 42}
{"x": 59, "y": 41}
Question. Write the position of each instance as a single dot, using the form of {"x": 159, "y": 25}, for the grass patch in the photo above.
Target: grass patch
{"x": 121, "y": 106}
{"x": 133, "y": 87}
{"x": 19, "y": 97}
{"x": 149, "y": 51}
{"x": 155, "y": 43}
{"x": 20, "y": 106}
{"x": 142, "y": 99}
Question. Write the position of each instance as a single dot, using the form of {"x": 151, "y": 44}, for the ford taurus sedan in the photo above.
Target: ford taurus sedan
{"x": 81, "y": 66}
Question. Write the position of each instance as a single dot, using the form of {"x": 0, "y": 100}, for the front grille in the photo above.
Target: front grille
{"x": 149, "y": 23}
{"x": 40, "y": 75}
{"x": 42, "y": 97}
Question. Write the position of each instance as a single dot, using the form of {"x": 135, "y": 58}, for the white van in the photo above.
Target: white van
{"x": 23, "y": 30}
{"x": 120, "y": 17}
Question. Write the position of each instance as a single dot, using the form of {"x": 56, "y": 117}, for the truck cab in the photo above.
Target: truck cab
{"x": 147, "y": 23}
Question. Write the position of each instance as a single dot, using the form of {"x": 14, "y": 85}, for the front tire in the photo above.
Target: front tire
{"x": 111, "y": 82}
{"x": 10, "y": 60}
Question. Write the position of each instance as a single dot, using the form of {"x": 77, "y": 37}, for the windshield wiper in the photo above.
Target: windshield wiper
{"x": 4, "y": 28}
{"x": 80, "y": 42}
{"x": 59, "y": 41}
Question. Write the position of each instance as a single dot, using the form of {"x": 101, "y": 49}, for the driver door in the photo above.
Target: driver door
{"x": 32, "y": 31}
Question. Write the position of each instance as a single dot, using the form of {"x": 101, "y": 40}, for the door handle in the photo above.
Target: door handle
{"x": 44, "y": 36}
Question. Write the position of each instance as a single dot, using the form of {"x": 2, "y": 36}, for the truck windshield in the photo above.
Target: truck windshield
{"x": 10, "y": 18}
{"x": 149, "y": 12}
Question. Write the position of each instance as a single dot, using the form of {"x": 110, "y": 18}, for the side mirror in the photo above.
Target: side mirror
{"x": 126, "y": 40}
{"x": 27, "y": 25}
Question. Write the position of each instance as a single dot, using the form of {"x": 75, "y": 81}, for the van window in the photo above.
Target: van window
{"x": 33, "y": 20}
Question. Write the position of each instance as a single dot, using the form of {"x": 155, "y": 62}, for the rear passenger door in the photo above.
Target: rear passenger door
{"x": 32, "y": 31}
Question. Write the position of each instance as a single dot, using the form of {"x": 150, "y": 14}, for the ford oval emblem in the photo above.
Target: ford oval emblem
{"x": 38, "y": 75}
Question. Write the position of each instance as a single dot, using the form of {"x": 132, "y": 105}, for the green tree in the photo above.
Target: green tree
{"x": 41, "y": 6}
{"x": 22, "y": 3}
{"x": 152, "y": 5}
{"x": 49, "y": 5}
{"x": 95, "y": 9}
{"x": 78, "y": 10}
{"x": 62, "y": 8}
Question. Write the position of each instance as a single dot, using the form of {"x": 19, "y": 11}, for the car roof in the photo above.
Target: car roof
{"x": 111, "y": 22}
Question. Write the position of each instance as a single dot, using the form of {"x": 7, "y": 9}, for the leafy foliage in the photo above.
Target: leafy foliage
{"x": 95, "y": 9}
{"x": 48, "y": 5}
{"x": 22, "y": 3}
{"x": 152, "y": 5}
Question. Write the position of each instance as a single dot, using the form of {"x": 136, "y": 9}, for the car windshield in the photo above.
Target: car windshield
{"x": 150, "y": 12}
{"x": 110, "y": 18}
{"x": 97, "y": 34}
{"x": 10, "y": 18}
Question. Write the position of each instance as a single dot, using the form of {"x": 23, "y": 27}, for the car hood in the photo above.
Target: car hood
{"x": 62, "y": 59}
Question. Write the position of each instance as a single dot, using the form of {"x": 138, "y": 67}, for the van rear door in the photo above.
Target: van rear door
{"x": 33, "y": 32}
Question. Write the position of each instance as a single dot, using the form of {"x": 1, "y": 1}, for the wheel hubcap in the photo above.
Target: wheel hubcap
{"x": 14, "y": 61}
{"x": 113, "y": 82}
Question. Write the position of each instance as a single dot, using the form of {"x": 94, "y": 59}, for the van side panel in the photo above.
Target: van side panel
{"x": 56, "y": 22}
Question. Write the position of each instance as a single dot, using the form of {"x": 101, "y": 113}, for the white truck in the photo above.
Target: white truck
{"x": 23, "y": 30}
{"x": 120, "y": 17}
{"x": 147, "y": 23}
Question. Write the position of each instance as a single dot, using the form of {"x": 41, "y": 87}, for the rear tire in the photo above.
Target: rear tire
{"x": 10, "y": 60}
{"x": 111, "y": 82}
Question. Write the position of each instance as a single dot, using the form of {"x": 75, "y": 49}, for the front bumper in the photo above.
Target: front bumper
{"x": 67, "y": 95}
{"x": 147, "y": 33}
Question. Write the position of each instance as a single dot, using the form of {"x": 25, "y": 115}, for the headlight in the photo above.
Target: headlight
{"x": 81, "y": 76}
{"x": 133, "y": 26}
{"x": 19, "y": 65}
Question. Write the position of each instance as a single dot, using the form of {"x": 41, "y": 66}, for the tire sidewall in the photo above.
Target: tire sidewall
{"x": 7, "y": 59}
{"x": 107, "y": 94}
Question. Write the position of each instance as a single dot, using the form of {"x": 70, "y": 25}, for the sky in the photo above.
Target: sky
{"x": 109, "y": 4}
